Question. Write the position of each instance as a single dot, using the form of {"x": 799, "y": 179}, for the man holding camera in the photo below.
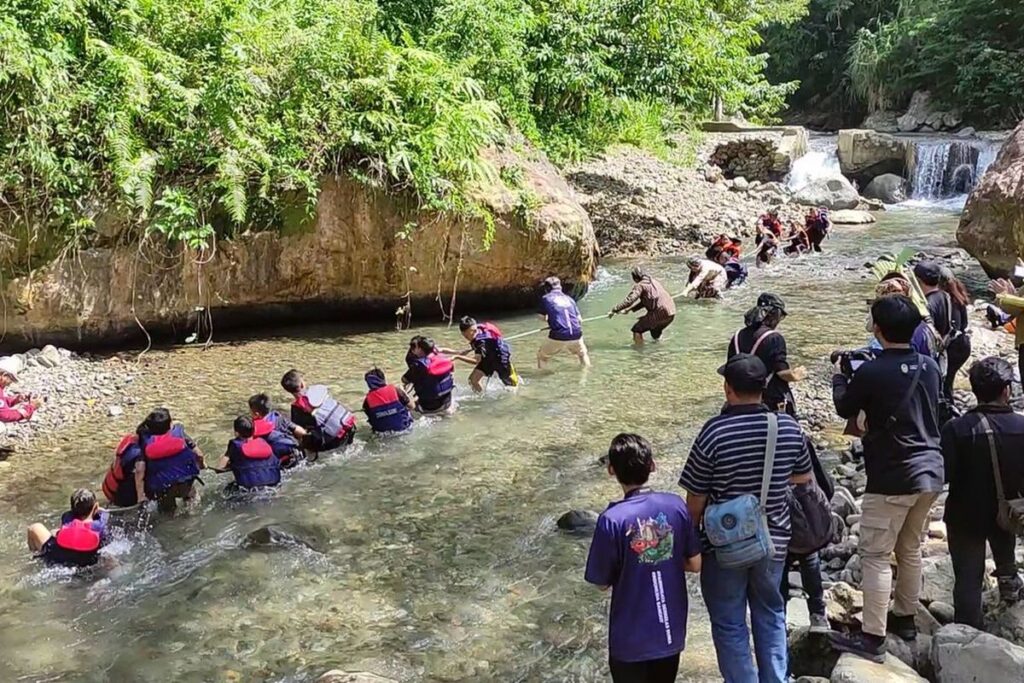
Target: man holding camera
{"x": 898, "y": 393}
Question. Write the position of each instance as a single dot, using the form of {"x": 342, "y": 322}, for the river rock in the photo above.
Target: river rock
{"x": 283, "y": 536}
{"x": 832, "y": 193}
{"x": 810, "y": 654}
{"x": 942, "y": 611}
{"x": 339, "y": 676}
{"x": 992, "y": 225}
{"x": 360, "y": 253}
{"x": 961, "y": 654}
{"x": 578, "y": 521}
{"x": 854, "y": 669}
{"x": 49, "y": 357}
{"x": 917, "y": 112}
{"x": 889, "y": 187}
{"x": 843, "y": 604}
{"x": 865, "y": 154}
{"x": 881, "y": 121}
{"x": 851, "y": 217}
{"x": 937, "y": 584}
{"x": 1008, "y": 622}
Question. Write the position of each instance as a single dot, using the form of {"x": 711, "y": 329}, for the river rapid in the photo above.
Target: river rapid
{"x": 435, "y": 556}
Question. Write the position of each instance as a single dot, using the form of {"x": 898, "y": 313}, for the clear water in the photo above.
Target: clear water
{"x": 438, "y": 558}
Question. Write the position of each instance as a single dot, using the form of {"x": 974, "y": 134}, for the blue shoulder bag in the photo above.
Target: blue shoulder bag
{"x": 738, "y": 528}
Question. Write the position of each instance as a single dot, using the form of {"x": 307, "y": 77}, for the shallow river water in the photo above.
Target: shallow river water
{"x": 436, "y": 554}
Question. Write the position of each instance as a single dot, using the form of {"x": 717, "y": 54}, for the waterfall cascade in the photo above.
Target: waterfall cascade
{"x": 949, "y": 168}
{"x": 821, "y": 161}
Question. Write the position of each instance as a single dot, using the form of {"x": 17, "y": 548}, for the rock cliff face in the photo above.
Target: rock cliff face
{"x": 992, "y": 225}
{"x": 356, "y": 259}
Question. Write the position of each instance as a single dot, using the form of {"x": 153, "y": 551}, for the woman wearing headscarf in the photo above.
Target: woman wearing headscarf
{"x": 650, "y": 295}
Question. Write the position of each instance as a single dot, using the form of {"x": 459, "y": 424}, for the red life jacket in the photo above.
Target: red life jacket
{"x": 262, "y": 426}
{"x": 119, "y": 489}
{"x": 385, "y": 411}
{"x": 78, "y": 536}
{"x": 258, "y": 466}
{"x": 169, "y": 461}
{"x": 439, "y": 365}
{"x": 492, "y": 329}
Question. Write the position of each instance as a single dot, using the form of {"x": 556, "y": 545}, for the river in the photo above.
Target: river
{"x": 437, "y": 558}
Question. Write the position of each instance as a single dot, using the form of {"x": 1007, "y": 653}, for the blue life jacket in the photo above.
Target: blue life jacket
{"x": 438, "y": 381}
{"x": 385, "y": 410}
{"x": 284, "y": 444}
{"x": 563, "y": 316}
{"x": 253, "y": 463}
{"x": 169, "y": 461}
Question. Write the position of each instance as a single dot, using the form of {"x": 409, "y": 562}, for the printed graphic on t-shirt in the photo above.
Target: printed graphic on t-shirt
{"x": 651, "y": 539}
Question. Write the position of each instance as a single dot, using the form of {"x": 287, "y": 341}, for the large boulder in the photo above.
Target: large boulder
{"x": 882, "y": 121}
{"x": 992, "y": 225}
{"x": 865, "y": 154}
{"x": 854, "y": 669}
{"x": 961, "y": 654}
{"x": 357, "y": 257}
{"x": 922, "y": 116}
{"x": 832, "y": 193}
{"x": 889, "y": 187}
{"x": 851, "y": 217}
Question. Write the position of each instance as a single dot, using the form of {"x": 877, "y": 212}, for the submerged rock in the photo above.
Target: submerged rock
{"x": 889, "y": 187}
{"x": 282, "y": 536}
{"x": 578, "y": 521}
{"x": 339, "y": 676}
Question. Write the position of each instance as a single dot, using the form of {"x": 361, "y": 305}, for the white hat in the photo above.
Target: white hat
{"x": 10, "y": 366}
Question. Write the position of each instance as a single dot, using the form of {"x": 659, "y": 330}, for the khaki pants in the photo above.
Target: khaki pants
{"x": 887, "y": 524}
{"x": 553, "y": 347}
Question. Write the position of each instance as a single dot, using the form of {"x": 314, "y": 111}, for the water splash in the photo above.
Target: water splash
{"x": 821, "y": 161}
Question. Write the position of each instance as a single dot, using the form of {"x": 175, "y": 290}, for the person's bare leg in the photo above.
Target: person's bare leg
{"x": 475, "y": 378}
{"x": 584, "y": 355}
{"x": 37, "y": 535}
{"x": 638, "y": 339}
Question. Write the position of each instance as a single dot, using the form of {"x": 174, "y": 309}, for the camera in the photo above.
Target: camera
{"x": 850, "y": 361}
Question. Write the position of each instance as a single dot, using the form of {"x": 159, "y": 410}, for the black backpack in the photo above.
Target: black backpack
{"x": 810, "y": 517}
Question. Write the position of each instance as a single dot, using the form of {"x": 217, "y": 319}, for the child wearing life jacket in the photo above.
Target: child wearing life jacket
{"x": 281, "y": 433}
{"x": 329, "y": 424}
{"x": 170, "y": 463}
{"x": 250, "y": 458}
{"x": 430, "y": 374}
{"x": 489, "y": 353}
{"x": 81, "y": 534}
{"x": 387, "y": 407}
{"x": 125, "y": 478}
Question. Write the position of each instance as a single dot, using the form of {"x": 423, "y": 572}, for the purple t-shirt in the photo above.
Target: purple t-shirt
{"x": 639, "y": 548}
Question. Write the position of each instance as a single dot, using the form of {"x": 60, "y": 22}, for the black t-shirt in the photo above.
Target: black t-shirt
{"x": 938, "y": 308}
{"x": 905, "y": 457}
{"x": 772, "y": 352}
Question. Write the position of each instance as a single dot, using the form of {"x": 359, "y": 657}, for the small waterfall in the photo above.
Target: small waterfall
{"x": 949, "y": 168}
{"x": 821, "y": 161}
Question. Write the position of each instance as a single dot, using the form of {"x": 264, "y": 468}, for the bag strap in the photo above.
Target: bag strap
{"x": 996, "y": 473}
{"x": 769, "y": 457}
{"x": 757, "y": 344}
{"x": 905, "y": 401}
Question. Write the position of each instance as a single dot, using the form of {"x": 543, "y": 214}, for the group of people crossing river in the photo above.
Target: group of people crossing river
{"x": 757, "y": 497}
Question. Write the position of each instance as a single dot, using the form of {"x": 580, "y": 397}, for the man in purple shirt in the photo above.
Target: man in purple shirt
{"x": 642, "y": 546}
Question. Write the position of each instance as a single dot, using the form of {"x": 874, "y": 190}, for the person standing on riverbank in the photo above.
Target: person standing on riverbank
{"x": 899, "y": 393}
{"x": 565, "y": 327}
{"x": 650, "y": 295}
{"x": 14, "y": 407}
{"x": 641, "y": 549}
{"x": 971, "y": 513}
{"x": 727, "y": 462}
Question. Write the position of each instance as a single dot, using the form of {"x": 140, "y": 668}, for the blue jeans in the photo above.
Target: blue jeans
{"x": 727, "y": 593}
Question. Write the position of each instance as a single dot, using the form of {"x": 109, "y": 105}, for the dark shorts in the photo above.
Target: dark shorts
{"x": 662, "y": 670}
{"x": 317, "y": 442}
{"x": 52, "y": 555}
{"x": 433, "y": 406}
{"x": 653, "y": 324}
{"x": 506, "y": 373}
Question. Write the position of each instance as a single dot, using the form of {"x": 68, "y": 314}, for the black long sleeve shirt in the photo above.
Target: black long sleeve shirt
{"x": 904, "y": 457}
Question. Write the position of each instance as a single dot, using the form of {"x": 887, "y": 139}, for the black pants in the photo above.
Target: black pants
{"x": 652, "y": 671}
{"x": 810, "y": 577}
{"x": 958, "y": 354}
{"x": 967, "y": 551}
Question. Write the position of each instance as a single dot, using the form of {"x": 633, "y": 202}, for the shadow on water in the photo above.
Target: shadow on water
{"x": 431, "y": 557}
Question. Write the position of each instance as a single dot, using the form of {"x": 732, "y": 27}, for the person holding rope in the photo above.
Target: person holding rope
{"x": 565, "y": 326}
{"x": 707, "y": 279}
{"x": 489, "y": 353}
{"x": 650, "y": 295}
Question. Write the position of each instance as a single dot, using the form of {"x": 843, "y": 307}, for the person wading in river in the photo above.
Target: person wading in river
{"x": 650, "y": 295}
{"x": 641, "y": 548}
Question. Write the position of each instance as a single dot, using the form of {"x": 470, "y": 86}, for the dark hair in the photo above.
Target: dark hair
{"x": 956, "y": 290}
{"x": 631, "y": 459}
{"x": 243, "y": 426}
{"x": 377, "y": 372}
{"x": 424, "y": 344}
{"x": 552, "y": 283}
{"x": 83, "y": 502}
{"x": 638, "y": 273}
{"x": 989, "y": 377}
{"x": 897, "y": 317}
{"x": 260, "y": 404}
{"x": 157, "y": 422}
{"x": 292, "y": 381}
{"x": 466, "y": 322}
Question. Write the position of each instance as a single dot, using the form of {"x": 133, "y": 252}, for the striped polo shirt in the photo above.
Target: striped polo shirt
{"x": 727, "y": 461}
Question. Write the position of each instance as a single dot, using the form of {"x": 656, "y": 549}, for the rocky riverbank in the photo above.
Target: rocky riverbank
{"x": 74, "y": 387}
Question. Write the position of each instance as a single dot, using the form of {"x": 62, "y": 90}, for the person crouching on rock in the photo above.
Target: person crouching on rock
{"x": 650, "y": 295}
{"x": 388, "y": 409}
{"x": 281, "y": 433}
{"x": 82, "y": 532}
{"x": 251, "y": 459}
{"x": 707, "y": 279}
{"x": 430, "y": 373}
{"x": 171, "y": 461}
{"x": 14, "y": 407}
{"x": 328, "y": 424}
{"x": 489, "y": 353}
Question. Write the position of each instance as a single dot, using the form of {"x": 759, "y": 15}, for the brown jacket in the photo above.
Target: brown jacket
{"x": 650, "y": 295}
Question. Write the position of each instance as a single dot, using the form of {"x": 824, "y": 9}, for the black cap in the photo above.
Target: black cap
{"x": 993, "y": 372}
{"x": 767, "y": 300}
{"x": 744, "y": 372}
{"x": 928, "y": 272}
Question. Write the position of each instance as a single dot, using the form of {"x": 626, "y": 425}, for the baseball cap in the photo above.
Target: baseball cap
{"x": 928, "y": 272}
{"x": 10, "y": 366}
{"x": 768, "y": 300}
{"x": 744, "y": 372}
